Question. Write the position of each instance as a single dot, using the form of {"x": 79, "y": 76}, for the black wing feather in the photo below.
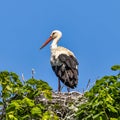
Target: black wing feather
{"x": 67, "y": 71}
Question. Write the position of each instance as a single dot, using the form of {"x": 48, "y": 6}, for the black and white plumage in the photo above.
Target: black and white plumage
{"x": 63, "y": 61}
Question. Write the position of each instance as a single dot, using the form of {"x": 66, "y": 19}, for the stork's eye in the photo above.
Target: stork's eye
{"x": 53, "y": 33}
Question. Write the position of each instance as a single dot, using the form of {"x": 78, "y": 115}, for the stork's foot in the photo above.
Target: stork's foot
{"x": 59, "y": 86}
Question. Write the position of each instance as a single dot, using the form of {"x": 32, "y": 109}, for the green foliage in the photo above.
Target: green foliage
{"x": 115, "y": 67}
{"x": 103, "y": 99}
{"x": 10, "y": 84}
{"x": 18, "y": 99}
{"x": 37, "y": 87}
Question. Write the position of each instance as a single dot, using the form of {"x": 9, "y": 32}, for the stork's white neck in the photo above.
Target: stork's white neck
{"x": 54, "y": 43}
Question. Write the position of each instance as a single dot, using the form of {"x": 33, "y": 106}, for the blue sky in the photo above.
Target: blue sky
{"x": 91, "y": 29}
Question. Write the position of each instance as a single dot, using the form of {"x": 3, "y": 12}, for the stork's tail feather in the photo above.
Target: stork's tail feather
{"x": 69, "y": 79}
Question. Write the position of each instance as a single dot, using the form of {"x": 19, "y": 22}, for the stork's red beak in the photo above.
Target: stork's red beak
{"x": 47, "y": 41}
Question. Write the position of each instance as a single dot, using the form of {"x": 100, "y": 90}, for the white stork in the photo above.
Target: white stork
{"x": 63, "y": 62}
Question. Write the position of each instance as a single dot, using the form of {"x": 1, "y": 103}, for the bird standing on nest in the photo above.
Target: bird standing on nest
{"x": 63, "y": 62}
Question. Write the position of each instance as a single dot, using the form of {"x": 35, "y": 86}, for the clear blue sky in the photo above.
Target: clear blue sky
{"x": 91, "y": 29}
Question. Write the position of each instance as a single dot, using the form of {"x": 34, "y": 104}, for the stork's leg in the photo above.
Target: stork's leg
{"x": 59, "y": 85}
{"x": 68, "y": 89}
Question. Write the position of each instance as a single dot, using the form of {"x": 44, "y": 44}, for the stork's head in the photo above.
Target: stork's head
{"x": 55, "y": 35}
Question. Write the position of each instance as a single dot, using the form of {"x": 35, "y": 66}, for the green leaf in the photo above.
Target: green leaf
{"x": 14, "y": 105}
{"x": 36, "y": 111}
{"x": 47, "y": 94}
{"x": 12, "y": 117}
{"x": 112, "y": 109}
{"x": 98, "y": 115}
{"x": 28, "y": 102}
{"x": 31, "y": 81}
{"x": 115, "y": 67}
{"x": 41, "y": 106}
{"x": 49, "y": 115}
{"x": 109, "y": 99}
{"x": 88, "y": 117}
{"x": 100, "y": 118}
{"x": 1, "y": 103}
{"x": 26, "y": 117}
{"x": 113, "y": 118}
{"x": 8, "y": 88}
